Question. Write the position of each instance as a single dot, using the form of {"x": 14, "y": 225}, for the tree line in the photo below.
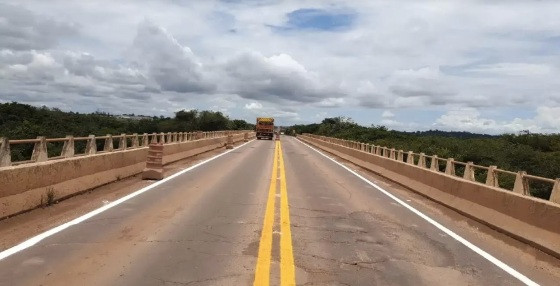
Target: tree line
{"x": 23, "y": 121}
{"x": 537, "y": 154}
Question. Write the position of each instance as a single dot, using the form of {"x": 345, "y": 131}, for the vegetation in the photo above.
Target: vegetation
{"x": 537, "y": 154}
{"x": 22, "y": 121}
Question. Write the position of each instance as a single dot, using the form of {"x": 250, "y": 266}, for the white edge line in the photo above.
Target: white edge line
{"x": 449, "y": 232}
{"x": 36, "y": 239}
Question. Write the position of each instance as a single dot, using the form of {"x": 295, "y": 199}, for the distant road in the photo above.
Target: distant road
{"x": 221, "y": 223}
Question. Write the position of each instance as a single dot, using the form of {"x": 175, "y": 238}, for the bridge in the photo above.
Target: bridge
{"x": 231, "y": 210}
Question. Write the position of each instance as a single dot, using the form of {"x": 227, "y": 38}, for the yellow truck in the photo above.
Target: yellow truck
{"x": 265, "y": 127}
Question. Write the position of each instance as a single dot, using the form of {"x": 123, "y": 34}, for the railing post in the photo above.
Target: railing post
{"x": 108, "y": 143}
{"x": 400, "y": 156}
{"x": 392, "y": 154}
{"x": 175, "y": 137}
{"x": 68, "y": 147}
{"x": 521, "y": 186}
{"x": 161, "y": 138}
{"x": 434, "y": 164}
{"x": 410, "y": 158}
{"x": 199, "y": 135}
{"x": 450, "y": 166}
{"x": 468, "y": 174}
{"x": 246, "y": 137}
{"x": 168, "y": 139}
{"x": 134, "y": 140}
{"x": 492, "y": 177}
{"x": 145, "y": 140}
{"x": 40, "y": 150}
{"x": 384, "y": 153}
{"x": 5, "y": 153}
{"x": 91, "y": 146}
{"x": 123, "y": 142}
{"x": 555, "y": 194}
{"x": 422, "y": 160}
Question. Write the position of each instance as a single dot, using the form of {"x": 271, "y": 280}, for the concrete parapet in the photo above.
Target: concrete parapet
{"x": 410, "y": 158}
{"x": 246, "y": 137}
{"x": 392, "y": 154}
{"x": 400, "y": 156}
{"x": 229, "y": 144}
{"x": 531, "y": 220}
{"x": 122, "y": 142}
{"x": 23, "y": 186}
{"x": 135, "y": 140}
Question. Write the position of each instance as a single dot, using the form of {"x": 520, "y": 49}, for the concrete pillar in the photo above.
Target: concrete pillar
{"x": 229, "y": 144}
{"x": 199, "y": 135}
{"x": 410, "y": 158}
{"x": 108, "y": 143}
{"x": 555, "y": 194}
{"x": 378, "y": 151}
{"x": 5, "y": 153}
{"x": 134, "y": 140}
{"x": 175, "y": 137}
{"x": 521, "y": 186}
{"x": 91, "y": 145}
{"x": 400, "y": 156}
{"x": 392, "y": 154}
{"x": 68, "y": 147}
{"x": 469, "y": 172}
{"x": 169, "y": 138}
{"x": 492, "y": 177}
{"x": 154, "y": 163}
{"x": 123, "y": 144}
{"x": 434, "y": 164}
{"x": 154, "y": 139}
{"x": 161, "y": 138}
{"x": 145, "y": 140}
{"x": 40, "y": 150}
{"x": 450, "y": 166}
{"x": 422, "y": 160}
{"x": 246, "y": 137}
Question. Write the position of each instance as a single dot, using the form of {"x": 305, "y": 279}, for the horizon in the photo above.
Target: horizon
{"x": 457, "y": 66}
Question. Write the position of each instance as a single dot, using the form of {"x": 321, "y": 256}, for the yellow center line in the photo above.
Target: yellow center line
{"x": 287, "y": 268}
{"x": 262, "y": 271}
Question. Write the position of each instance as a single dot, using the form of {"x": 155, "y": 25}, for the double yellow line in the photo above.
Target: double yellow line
{"x": 287, "y": 268}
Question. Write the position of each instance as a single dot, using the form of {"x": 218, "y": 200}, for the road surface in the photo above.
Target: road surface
{"x": 279, "y": 213}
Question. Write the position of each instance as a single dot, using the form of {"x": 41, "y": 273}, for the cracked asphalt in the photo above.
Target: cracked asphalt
{"x": 203, "y": 228}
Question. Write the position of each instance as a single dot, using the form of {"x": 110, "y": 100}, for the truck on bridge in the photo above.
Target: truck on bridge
{"x": 265, "y": 127}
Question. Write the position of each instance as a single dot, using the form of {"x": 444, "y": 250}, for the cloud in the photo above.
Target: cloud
{"x": 278, "y": 78}
{"x": 173, "y": 66}
{"x": 20, "y": 29}
{"x": 253, "y": 105}
{"x": 318, "y": 19}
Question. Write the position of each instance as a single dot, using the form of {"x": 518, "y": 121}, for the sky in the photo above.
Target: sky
{"x": 467, "y": 65}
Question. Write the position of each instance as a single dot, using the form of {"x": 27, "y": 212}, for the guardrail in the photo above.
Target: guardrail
{"x": 125, "y": 141}
{"x": 448, "y": 166}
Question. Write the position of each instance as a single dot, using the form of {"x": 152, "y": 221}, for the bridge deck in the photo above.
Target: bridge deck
{"x": 205, "y": 226}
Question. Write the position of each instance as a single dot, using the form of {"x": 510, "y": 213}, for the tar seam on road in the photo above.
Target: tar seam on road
{"x": 287, "y": 268}
{"x": 447, "y": 231}
{"x": 36, "y": 239}
{"x": 262, "y": 270}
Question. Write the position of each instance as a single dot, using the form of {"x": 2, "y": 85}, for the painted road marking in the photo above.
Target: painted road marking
{"x": 262, "y": 271}
{"x": 287, "y": 268}
{"x": 36, "y": 239}
{"x": 449, "y": 232}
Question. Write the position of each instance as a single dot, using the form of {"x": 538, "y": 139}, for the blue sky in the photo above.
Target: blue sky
{"x": 410, "y": 65}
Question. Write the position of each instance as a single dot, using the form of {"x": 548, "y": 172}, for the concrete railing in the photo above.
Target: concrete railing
{"x": 532, "y": 220}
{"x": 125, "y": 142}
{"x": 448, "y": 166}
{"x": 42, "y": 180}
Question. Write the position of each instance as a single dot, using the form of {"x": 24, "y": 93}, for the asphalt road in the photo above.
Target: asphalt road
{"x": 225, "y": 223}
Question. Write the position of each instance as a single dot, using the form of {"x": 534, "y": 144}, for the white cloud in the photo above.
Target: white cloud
{"x": 253, "y": 105}
{"x": 387, "y": 114}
